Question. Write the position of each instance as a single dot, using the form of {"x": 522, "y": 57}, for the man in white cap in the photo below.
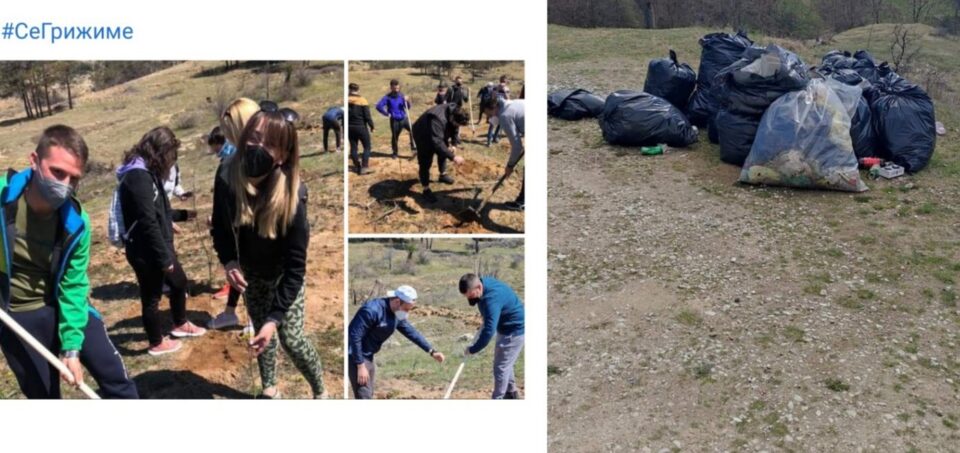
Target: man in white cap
{"x": 371, "y": 327}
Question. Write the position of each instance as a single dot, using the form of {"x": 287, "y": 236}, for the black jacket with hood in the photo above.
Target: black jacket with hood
{"x": 435, "y": 132}
{"x": 147, "y": 216}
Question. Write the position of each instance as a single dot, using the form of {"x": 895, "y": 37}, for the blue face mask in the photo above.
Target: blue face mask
{"x": 55, "y": 193}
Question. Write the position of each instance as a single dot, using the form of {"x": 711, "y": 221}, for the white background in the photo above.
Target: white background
{"x": 320, "y": 30}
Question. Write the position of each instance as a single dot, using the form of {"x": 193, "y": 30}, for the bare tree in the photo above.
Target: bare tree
{"x": 876, "y": 9}
{"x": 920, "y": 8}
{"x": 903, "y": 48}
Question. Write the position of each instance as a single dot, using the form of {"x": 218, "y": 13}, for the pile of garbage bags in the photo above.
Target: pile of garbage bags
{"x": 635, "y": 118}
{"x": 905, "y": 122}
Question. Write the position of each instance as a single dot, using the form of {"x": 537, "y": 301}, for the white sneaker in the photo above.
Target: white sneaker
{"x": 223, "y": 321}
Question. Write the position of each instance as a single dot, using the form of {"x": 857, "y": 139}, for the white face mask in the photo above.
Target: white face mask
{"x": 401, "y": 315}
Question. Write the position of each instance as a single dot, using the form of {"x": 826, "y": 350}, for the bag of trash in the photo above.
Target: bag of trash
{"x": 836, "y": 59}
{"x": 573, "y": 105}
{"x": 867, "y": 67}
{"x": 758, "y": 78}
{"x": 671, "y": 80}
{"x": 804, "y": 140}
{"x": 905, "y": 122}
{"x": 634, "y": 118}
{"x": 719, "y": 50}
{"x": 735, "y": 134}
{"x": 862, "y": 132}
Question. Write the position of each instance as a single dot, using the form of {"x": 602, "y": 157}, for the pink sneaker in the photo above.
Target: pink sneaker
{"x": 165, "y": 347}
{"x": 188, "y": 329}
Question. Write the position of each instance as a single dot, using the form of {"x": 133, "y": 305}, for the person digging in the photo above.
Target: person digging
{"x": 508, "y": 115}
{"x": 436, "y": 133}
{"x": 44, "y": 255}
{"x": 373, "y": 324}
{"x": 502, "y": 313}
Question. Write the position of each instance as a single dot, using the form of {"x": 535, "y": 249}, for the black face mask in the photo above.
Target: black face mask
{"x": 473, "y": 301}
{"x": 257, "y": 162}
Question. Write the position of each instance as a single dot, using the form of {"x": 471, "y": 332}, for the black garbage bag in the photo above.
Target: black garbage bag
{"x": 719, "y": 50}
{"x": 868, "y": 68}
{"x": 804, "y": 140}
{"x": 862, "y": 131}
{"x": 712, "y": 134}
{"x": 735, "y": 134}
{"x": 836, "y": 59}
{"x": 573, "y": 105}
{"x": 634, "y": 118}
{"x": 905, "y": 122}
{"x": 671, "y": 80}
{"x": 758, "y": 78}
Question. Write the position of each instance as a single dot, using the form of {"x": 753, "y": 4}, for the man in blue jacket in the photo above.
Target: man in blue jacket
{"x": 502, "y": 313}
{"x": 396, "y": 106}
{"x": 332, "y": 120}
{"x": 373, "y": 324}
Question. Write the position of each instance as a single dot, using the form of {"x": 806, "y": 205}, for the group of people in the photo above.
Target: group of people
{"x": 435, "y": 135}
{"x": 260, "y": 234}
{"x": 499, "y": 306}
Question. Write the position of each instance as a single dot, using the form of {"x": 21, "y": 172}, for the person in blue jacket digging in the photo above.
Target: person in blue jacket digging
{"x": 502, "y": 313}
{"x": 373, "y": 324}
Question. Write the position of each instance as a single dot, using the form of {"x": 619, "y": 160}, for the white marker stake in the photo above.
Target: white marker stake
{"x": 454, "y": 381}
{"x": 25, "y": 336}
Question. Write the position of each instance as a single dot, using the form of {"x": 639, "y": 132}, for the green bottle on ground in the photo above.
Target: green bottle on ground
{"x": 651, "y": 150}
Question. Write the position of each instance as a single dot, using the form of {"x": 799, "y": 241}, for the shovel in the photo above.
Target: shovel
{"x": 472, "y": 214}
{"x": 33, "y": 343}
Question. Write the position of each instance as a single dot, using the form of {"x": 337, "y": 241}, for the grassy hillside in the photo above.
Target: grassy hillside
{"x": 185, "y": 98}
{"x": 389, "y": 200}
{"x": 442, "y": 314}
{"x": 688, "y": 312}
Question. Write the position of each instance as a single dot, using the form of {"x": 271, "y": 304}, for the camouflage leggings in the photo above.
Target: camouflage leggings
{"x": 259, "y": 298}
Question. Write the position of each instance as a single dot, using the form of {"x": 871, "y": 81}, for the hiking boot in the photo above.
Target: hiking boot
{"x": 514, "y": 395}
{"x": 514, "y": 206}
{"x": 224, "y": 320}
{"x": 365, "y": 170}
{"x": 446, "y": 179}
{"x": 188, "y": 329}
{"x": 167, "y": 346}
{"x": 429, "y": 196}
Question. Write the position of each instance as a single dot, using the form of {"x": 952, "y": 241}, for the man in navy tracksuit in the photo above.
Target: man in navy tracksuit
{"x": 332, "y": 119}
{"x": 502, "y": 313}
{"x": 396, "y": 106}
{"x": 371, "y": 327}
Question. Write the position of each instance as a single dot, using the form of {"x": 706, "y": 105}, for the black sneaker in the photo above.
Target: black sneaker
{"x": 429, "y": 196}
{"x": 514, "y": 206}
{"x": 393, "y": 156}
{"x": 514, "y": 395}
{"x": 365, "y": 170}
{"x": 446, "y": 179}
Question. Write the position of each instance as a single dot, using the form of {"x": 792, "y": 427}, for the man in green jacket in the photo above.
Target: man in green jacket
{"x": 44, "y": 253}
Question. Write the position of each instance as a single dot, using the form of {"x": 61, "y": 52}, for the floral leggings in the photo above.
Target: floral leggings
{"x": 260, "y": 294}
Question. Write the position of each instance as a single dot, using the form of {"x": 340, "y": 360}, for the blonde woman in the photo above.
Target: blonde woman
{"x": 265, "y": 224}
{"x": 232, "y": 122}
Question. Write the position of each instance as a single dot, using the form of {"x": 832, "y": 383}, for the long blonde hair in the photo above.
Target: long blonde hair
{"x": 235, "y": 117}
{"x": 270, "y": 205}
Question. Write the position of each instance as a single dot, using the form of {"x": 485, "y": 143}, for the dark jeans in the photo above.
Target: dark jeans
{"x": 234, "y": 296}
{"x": 425, "y": 159}
{"x": 359, "y": 134}
{"x": 397, "y": 126}
{"x": 493, "y": 136}
{"x": 327, "y": 126}
{"x": 362, "y": 392}
{"x": 39, "y": 379}
{"x": 151, "y": 280}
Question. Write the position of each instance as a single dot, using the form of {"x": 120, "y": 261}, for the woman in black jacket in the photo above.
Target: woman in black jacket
{"x": 261, "y": 233}
{"x": 148, "y": 225}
